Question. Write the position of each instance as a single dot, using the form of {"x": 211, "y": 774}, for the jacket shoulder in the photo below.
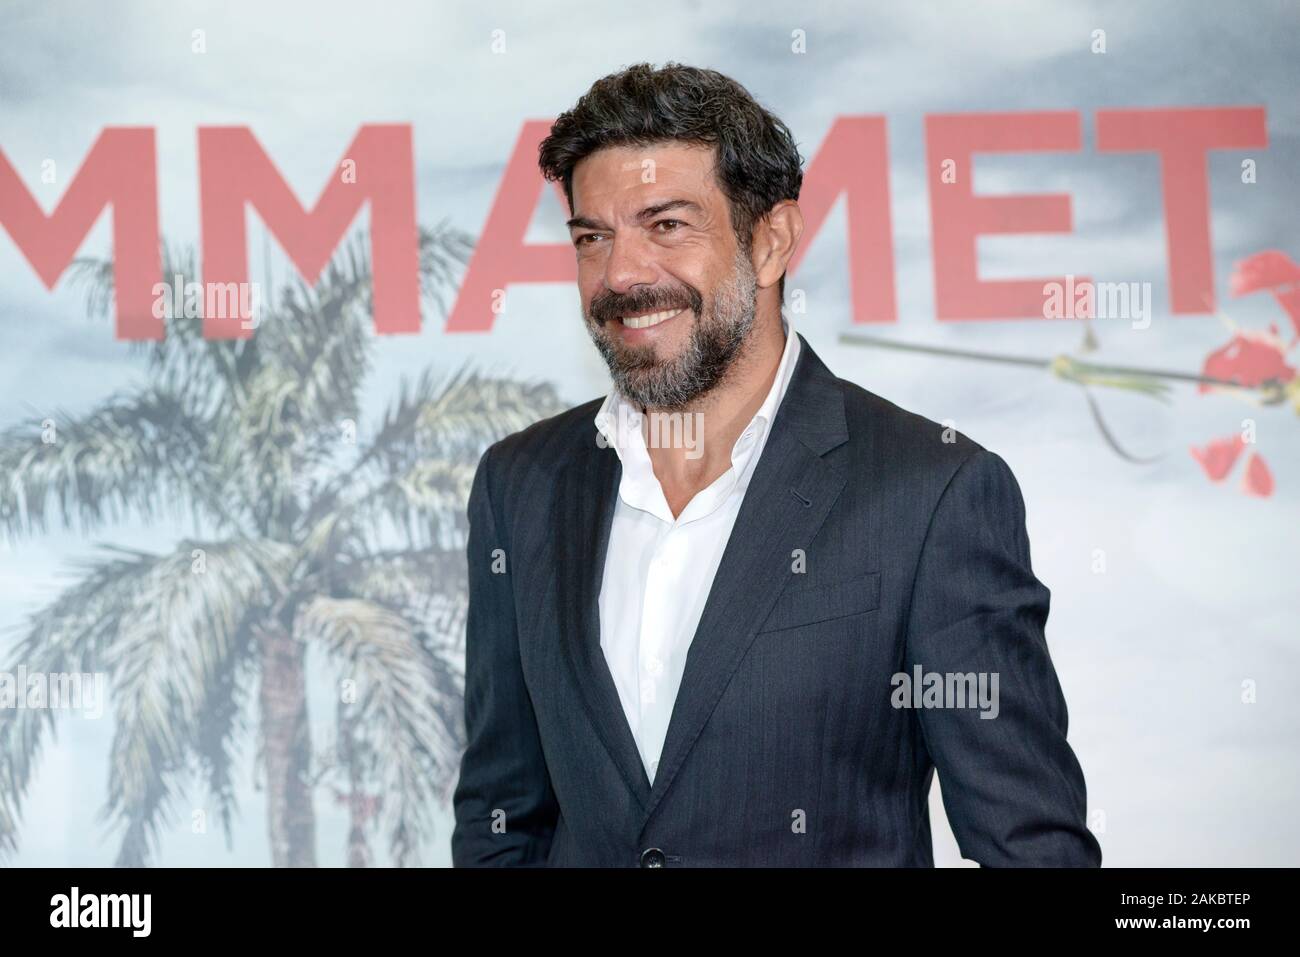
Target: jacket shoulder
{"x": 902, "y": 427}
{"x": 542, "y": 448}
{"x": 915, "y": 450}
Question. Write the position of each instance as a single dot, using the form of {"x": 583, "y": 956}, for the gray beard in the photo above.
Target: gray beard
{"x": 716, "y": 340}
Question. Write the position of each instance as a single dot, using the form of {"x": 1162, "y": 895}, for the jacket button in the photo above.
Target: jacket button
{"x": 652, "y": 857}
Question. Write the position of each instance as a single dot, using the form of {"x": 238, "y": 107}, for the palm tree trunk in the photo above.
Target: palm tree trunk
{"x": 358, "y": 847}
{"x": 286, "y": 748}
{"x": 358, "y": 803}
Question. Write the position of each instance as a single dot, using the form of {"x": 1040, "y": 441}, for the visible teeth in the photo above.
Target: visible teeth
{"x": 653, "y": 319}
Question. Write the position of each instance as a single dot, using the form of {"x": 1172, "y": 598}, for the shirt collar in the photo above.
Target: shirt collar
{"x": 762, "y": 420}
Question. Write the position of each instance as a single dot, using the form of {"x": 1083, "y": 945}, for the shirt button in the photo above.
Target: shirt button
{"x": 652, "y": 857}
{"x": 654, "y": 667}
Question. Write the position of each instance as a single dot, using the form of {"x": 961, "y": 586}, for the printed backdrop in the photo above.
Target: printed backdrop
{"x": 1068, "y": 230}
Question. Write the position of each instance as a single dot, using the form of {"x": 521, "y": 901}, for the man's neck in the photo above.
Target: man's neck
{"x": 722, "y": 416}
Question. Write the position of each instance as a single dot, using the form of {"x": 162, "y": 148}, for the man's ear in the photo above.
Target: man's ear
{"x": 776, "y": 236}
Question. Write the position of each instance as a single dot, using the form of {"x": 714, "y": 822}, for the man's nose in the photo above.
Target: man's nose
{"x": 630, "y": 264}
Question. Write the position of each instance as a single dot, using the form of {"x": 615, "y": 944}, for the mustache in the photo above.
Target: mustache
{"x": 612, "y": 305}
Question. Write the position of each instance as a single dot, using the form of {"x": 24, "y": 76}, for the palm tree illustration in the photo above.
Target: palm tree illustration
{"x": 312, "y": 532}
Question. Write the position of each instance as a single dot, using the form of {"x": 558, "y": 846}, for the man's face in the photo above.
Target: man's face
{"x": 668, "y": 295}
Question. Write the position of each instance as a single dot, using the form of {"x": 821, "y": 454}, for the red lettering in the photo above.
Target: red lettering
{"x": 501, "y": 256}
{"x": 120, "y": 170}
{"x": 1182, "y": 137}
{"x": 854, "y": 161}
{"x": 234, "y": 170}
{"x": 958, "y": 217}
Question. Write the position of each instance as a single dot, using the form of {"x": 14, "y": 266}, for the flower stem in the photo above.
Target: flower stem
{"x": 1050, "y": 364}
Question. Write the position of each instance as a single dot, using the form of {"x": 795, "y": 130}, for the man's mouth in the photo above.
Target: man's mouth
{"x": 647, "y": 319}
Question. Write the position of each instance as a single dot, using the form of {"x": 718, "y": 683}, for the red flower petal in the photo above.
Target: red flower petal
{"x": 1258, "y": 480}
{"x": 1219, "y": 456}
{"x": 1264, "y": 270}
{"x": 1289, "y": 299}
{"x": 1248, "y": 359}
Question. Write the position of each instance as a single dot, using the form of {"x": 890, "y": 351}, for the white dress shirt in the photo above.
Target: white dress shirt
{"x": 659, "y": 569}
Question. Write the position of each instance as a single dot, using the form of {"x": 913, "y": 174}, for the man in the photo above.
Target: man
{"x": 739, "y": 611}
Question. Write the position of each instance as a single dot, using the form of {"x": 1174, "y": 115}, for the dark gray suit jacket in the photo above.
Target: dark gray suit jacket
{"x": 785, "y": 745}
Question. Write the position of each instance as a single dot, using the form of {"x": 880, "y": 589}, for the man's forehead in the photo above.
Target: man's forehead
{"x": 638, "y": 171}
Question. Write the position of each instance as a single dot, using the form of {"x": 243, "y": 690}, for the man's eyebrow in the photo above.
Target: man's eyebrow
{"x": 658, "y": 208}
{"x": 584, "y": 222}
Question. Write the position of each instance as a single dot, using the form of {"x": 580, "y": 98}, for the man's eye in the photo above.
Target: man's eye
{"x": 582, "y": 240}
{"x": 671, "y": 225}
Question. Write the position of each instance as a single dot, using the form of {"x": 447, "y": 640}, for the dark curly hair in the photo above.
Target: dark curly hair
{"x": 758, "y": 162}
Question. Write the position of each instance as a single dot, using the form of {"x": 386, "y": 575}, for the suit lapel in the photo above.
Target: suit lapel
{"x": 790, "y": 494}
{"x": 588, "y": 490}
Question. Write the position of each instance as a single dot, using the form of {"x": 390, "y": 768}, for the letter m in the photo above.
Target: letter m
{"x": 119, "y": 171}
{"x": 378, "y": 168}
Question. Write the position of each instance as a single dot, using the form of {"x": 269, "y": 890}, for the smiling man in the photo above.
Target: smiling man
{"x": 702, "y": 653}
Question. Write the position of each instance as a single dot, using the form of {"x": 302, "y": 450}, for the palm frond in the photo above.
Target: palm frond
{"x": 220, "y": 723}
{"x": 21, "y": 731}
{"x": 181, "y": 632}
{"x": 443, "y": 251}
{"x": 183, "y": 361}
{"x": 425, "y": 505}
{"x": 166, "y": 630}
{"x": 407, "y": 706}
{"x": 140, "y": 451}
{"x": 460, "y": 415}
{"x": 419, "y": 582}
{"x": 417, "y": 471}
{"x": 94, "y": 275}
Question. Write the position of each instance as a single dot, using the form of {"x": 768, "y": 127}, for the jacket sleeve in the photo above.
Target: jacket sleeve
{"x": 505, "y": 809}
{"x": 1012, "y": 787}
